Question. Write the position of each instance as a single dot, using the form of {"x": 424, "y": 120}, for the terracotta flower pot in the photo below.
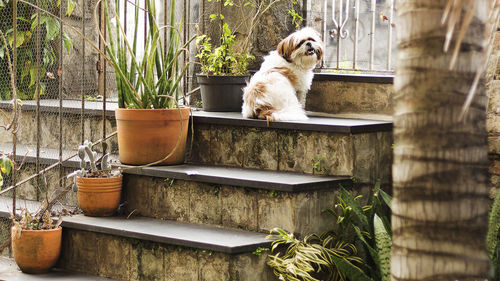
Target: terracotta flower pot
{"x": 99, "y": 197}
{"x": 149, "y": 135}
{"x": 36, "y": 251}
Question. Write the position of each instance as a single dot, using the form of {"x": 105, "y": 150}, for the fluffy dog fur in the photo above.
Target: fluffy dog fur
{"x": 277, "y": 92}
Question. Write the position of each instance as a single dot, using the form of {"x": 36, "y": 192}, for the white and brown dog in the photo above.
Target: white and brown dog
{"x": 277, "y": 92}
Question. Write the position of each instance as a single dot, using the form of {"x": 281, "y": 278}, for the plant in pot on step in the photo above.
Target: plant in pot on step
{"x": 223, "y": 72}
{"x": 151, "y": 125}
{"x": 98, "y": 185}
{"x": 36, "y": 239}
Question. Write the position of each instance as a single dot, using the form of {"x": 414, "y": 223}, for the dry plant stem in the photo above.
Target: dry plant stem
{"x": 5, "y": 244}
{"x": 51, "y": 203}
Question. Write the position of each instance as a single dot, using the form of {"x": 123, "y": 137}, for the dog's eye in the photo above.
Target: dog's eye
{"x": 300, "y": 43}
{"x": 311, "y": 39}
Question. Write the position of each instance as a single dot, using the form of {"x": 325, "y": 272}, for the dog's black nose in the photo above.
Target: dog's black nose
{"x": 308, "y": 44}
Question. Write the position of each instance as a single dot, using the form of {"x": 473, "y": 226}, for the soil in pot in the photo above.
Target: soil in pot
{"x": 99, "y": 197}
{"x": 149, "y": 135}
{"x": 36, "y": 251}
{"x": 222, "y": 93}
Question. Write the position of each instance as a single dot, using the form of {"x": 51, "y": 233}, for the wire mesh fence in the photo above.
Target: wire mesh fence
{"x": 51, "y": 49}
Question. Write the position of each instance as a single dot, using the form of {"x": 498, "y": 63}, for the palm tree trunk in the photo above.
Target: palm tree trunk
{"x": 440, "y": 171}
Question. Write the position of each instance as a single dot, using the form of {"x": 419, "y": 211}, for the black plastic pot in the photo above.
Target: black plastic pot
{"x": 222, "y": 93}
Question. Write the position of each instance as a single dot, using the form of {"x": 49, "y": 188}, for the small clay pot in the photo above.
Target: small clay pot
{"x": 99, "y": 197}
{"x": 36, "y": 251}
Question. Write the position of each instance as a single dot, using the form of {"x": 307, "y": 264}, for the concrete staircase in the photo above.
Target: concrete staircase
{"x": 204, "y": 219}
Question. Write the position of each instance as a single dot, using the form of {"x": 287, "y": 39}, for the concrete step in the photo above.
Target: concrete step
{"x": 139, "y": 248}
{"x": 248, "y": 199}
{"x": 357, "y": 146}
{"x": 322, "y": 145}
{"x": 9, "y": 271}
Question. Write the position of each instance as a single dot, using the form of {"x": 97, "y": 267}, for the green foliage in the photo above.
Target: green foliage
{"x": 5, "y": 167}
{"x": 27, "y": 23}
{"x": 221, "y": 60}
{"x": 153, "y": 80}
{"x": 317, "y": 164}
{"x": 493, "y": 236}
{"x": 259, "y": 251}
{"x": 373, "y": 230}
{"x": 357, "y": 248}
{"x": 316, "y": 257}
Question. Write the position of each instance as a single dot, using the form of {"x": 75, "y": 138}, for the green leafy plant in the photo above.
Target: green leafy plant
{"x": 27, "y": 23}
{"x": 357, "y": 248}
{"x": 6, "y": 165}
{"x": 318, "y": 164}
{"x": 372, "y": 230}
{"x": 493, "y": 236}
{"x": 153, "y": 80}
{"x": 221, "y": 60}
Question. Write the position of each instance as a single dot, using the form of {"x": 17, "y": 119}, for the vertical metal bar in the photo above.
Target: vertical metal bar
{"x": 104, "y": 80}
{"x": 389, "y": 44}
{"x": 202, "y": 17}
{"x": 337, "y": 26}
{"x": 356, "y": 30}
{"x": 14, "y": 98}
{"x": 100, "y": 62}
{"x": 82, "y": 90}
{"x": 325, "y": 21}
{"x": 185, "y": 35}
{"x": 372, "y": 33}
{"x": 60, "y": 74}
{"x": 339, "y": 35}
{"x": 38, "y": 127}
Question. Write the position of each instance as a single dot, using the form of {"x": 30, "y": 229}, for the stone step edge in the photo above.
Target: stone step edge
{"x": 330, "y": 124}
{"x": 241, "y": 177}
{"x": 244, "y": 177}
{"x": 323, "y": 124}
{"x": 229, "y": 241}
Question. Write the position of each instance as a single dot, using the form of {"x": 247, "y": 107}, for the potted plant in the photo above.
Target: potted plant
{"x": 223, "y": 72}
{"x": 36, "y": 242}
{"x": 98, "y": 186}
{"x": 151, "y": 125}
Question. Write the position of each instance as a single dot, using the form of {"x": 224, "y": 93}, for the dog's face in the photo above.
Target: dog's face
{"x": 303, "y": 47}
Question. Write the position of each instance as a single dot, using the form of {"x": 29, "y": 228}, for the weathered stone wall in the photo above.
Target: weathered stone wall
{"x": 49, "y": 131}
{"x": 493, "y": 117}
{"x": 230, "y": 206}
{"x": 132, "y": 259}
{"x": 5, "y": 225}
{"x": 30, "y": 191}
{"x": 367, "y": 157}
{"x": 350, "y": 97}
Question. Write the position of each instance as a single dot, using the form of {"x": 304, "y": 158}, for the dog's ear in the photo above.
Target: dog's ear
{"x": 286, "y": 47}
{"x": 319, "y": 52}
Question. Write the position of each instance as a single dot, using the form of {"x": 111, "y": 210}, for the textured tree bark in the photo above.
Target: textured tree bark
{"x": 440, "y": 167}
